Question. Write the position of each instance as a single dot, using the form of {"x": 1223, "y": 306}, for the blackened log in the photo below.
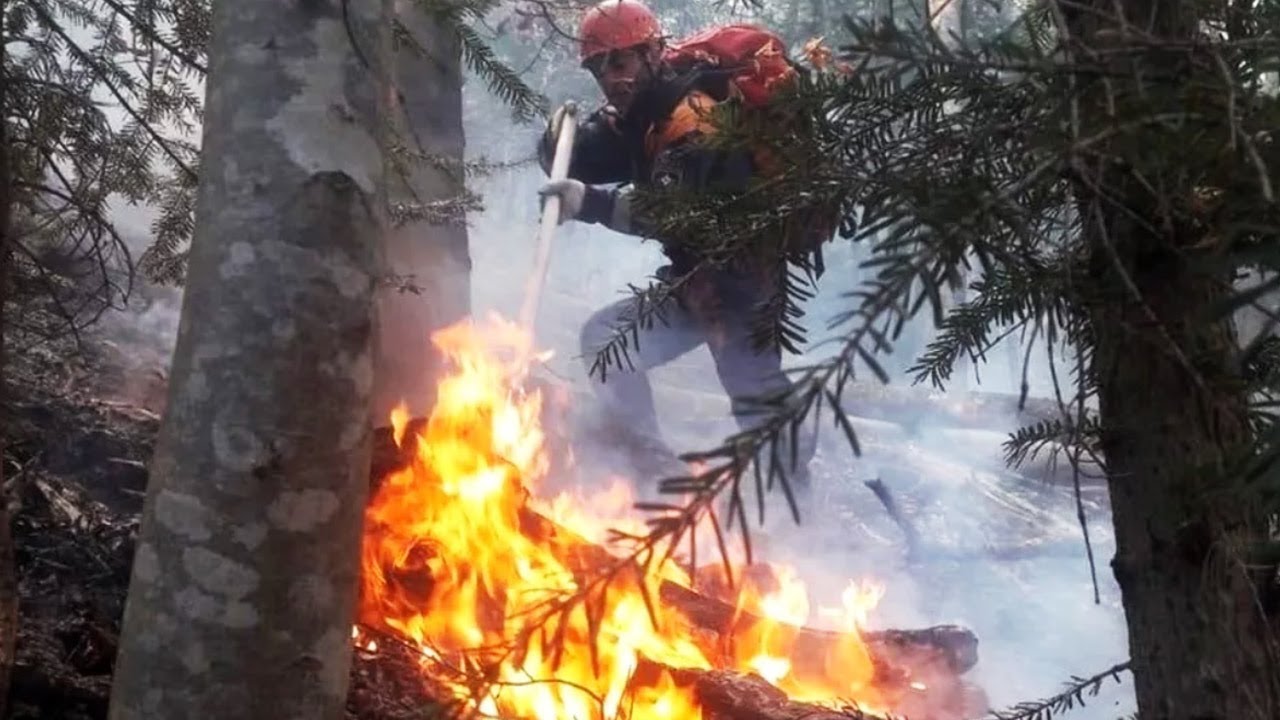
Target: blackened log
{"x": 731, "y": 695}
{"x": 953, "y": 646}
{"x": 948, "y": 647}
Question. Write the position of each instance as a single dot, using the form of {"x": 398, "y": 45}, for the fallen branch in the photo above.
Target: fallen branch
{"x": 891, "y": 506}
{"x": 955, "y": 647}
{"x": 729, "y": 695}
{"x": 1071, "y": 696}
{"x": 931, "y": 658}
{"x": 38, "y": 685}
{"x": 949, "y": 646}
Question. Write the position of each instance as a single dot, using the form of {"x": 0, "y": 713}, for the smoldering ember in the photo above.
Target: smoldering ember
{"x": 631, "y": 359}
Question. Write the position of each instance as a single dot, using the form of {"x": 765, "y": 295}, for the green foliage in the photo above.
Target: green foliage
{"x": 502, "y": 80}
{"x": 983, "y": 165}
{"x": 99, "y": 97}
{"x": 1028, "y": 442}
{"x": 955, "y": 161}
{"x": 1071, "y": 697}
{"x": 102, "y": 107}
{"x": 1003, "y": 300}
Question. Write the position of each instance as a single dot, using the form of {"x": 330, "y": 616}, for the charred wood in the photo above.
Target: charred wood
{"x": 942, "y": 646}
{"x": 733, "y": 695}
{"x": 886, "y": 498}
{"x": 920, "y": 665}
{"x": 39, "y": 687}
{"x": 951, "y": 646}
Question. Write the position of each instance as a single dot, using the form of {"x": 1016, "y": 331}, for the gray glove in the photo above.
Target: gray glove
{"x": 571, "y": 193}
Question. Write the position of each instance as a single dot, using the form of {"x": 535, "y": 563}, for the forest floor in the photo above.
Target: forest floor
{"x": 80, "y": 434}
{"x": 78, "y": 440}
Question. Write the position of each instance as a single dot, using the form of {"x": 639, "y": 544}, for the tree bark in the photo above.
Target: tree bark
{"x": 430, "y": 256}
{"x": 1173, "y": 411}
{"x": 8, "y": 570}
{"x": 244, "y": 580}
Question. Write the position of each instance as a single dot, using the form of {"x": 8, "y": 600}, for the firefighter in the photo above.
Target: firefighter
{"x": 647, "y": 134}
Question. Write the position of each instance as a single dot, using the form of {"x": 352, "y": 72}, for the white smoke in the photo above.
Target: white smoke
{"x": 1035, "y": 618}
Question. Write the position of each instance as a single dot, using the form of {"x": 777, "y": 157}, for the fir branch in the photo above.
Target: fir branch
{"x": 78, "y": 51}
{"x": 1026, "y": 443}
{"x": 649, "y": 305}
{"x": 106, "y": 75}
{"x": 1070, "y": 698}
{"x": 1004, "y": 297}
{"x": 448, "y": 211}
{"x": 503, "y": 81}
{"x": 152, "y": 34}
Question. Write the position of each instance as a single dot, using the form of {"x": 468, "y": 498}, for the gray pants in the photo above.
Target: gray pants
{"x": 724, "y": 325}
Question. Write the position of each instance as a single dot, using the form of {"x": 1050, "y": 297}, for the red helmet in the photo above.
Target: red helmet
{"x": 615, "y": 25}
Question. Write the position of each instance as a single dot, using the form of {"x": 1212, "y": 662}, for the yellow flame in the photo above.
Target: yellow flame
{"x": 449, "y": 564}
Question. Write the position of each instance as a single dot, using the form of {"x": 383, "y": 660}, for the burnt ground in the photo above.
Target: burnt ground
{"x": 80, "y": 433}
{"x": 78, "y": 440}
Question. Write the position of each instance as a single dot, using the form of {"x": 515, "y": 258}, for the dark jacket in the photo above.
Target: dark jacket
{"x": 656, "y": 143}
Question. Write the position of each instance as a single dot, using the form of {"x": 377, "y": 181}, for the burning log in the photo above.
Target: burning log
{"x": 949, "y": 646}
{"x": 731, "y": 695}
{"x": 895, "y": 664}
{"x": 954, "y": 647}
{"x": 943, "y": 646}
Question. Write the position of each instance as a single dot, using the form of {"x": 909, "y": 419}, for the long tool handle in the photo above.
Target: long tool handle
{"x": 550, "y": 219}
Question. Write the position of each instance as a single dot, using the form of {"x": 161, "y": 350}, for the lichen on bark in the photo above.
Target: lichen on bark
{"x": 254, "y": 508}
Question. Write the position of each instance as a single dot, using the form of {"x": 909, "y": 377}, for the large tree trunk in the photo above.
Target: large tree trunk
{"x": 244, "y": 581}
{"x": 8, "y": 571}
{"x": 1174, "y": 417}
{"x": 427, "y": 258}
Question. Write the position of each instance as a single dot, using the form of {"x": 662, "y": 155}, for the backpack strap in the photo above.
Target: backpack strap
{"x": 691, "y": 115}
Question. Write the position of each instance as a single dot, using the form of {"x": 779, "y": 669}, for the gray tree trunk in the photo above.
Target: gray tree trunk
{"x": 244, "y": 581}
{"x": 425, "y": 113}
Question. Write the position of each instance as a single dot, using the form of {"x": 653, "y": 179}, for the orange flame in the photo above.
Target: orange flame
{"x": 448, "y": 565}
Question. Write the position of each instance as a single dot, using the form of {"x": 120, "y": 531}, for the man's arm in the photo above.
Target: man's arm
{"x": 599, "y": 154}
{"x": 686, "y": 167}
{"x": 681, "y": 162}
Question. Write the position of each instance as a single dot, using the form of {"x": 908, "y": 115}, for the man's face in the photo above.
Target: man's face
{"x": 621, "y": 74}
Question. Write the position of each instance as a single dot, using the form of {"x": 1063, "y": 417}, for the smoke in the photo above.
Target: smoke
{"x": 1035, "y": 616}
{"x": 132, "y": 345}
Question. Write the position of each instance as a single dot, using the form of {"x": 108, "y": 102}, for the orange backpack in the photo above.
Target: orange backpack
{"x": 758, "y": 67}
{"x": 759, "y": 56}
